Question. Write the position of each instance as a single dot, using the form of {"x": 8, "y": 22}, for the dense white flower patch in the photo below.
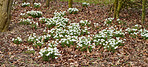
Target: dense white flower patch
{"x": 74, "y": 29}
{"x": 105, "y": 38}
{"x": 85, "y": 4}
{"x": 37, "y": 5}
{"x": 50, "y": 52}
{"x": 58, "y": 20}
{"x": 68, "y": 40}
{"x": 25, "y": 4}
{"x": 59, "y": 14}
{"x": 73, "y": 10}
{"x": 34, "y": 14}
{"x": 84, "y": 43}
{"x": 18, "y": 40}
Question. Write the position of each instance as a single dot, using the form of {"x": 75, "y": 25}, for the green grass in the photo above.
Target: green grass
{"x": 94, "y": 1}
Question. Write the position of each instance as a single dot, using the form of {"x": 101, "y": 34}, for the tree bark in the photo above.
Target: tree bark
{"x": 70, "y": 3}
{"x": 47, "y": 3}
{"x": 115, "y": 8}
{"x": 120, "y": 3}
{"x": 5, "y": 14}
{"x": 24, "y": 0}
{"x": 143, "y": 11}
{"x": 33, "y": 1}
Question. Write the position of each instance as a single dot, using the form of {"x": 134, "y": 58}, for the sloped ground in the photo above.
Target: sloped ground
{"x": 133, "y": 53}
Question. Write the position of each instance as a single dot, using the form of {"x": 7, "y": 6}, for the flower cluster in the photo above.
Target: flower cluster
{"x": 68, "y": 40}
{"x": 57, "y": 33}
{"x": 32, "y": 38}
{"x": 74, "y": 29}
{"x": 38, "y": 43}
{"x": 144, "y": 33}
{"x": 38, "y": 40}
{"x": 85, "y": 22}
{"x": 109, "y": 21}
{"x": 34, "y": 14}
{"x": 134, "y": 31}
{"x": 84, "y": 43}
{"x": 109, "y": 38}
{"x": 59, "y": 14}
{"x": 34, "y": 24}
{"x": 84, "y": 4}
{"x": 18, "y": 40}
{"x": 49, "y": 52}
{"x": 57, "y": 20}
{"x": 25, "y": 21}
{"x": 96, "y": 25}
{"x": 131, "y": 31}
{"x": 37, "y": 5}
{"x": 85, "y": 31}
{"x": 46, "y": 37}
{"x": 73, "y": 10}
{"x": 25, "y": 4}
{"x": 43, "y": 20}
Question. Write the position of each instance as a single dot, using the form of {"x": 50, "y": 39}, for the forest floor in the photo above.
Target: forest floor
{"x": 133, "y": 53}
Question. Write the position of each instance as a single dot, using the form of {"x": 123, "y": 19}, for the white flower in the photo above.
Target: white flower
{"x": 37, "y": 4}
{"x": 84, "y": 3}
{"x": 72, "y": 10}
{"x": 25, "y": 4}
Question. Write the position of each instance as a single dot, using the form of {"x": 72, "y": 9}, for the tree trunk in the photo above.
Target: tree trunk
{"x": 143, "y": 11}
{"x": 33, "y": 1}
{"x": 24, "y": 0}
{"x": 5, "y": 14}
{"x": 115, "y": 8}
{"x": 47, "y": 3}
{"x": 120, "y": 3}
{"x": 70, "y": 3}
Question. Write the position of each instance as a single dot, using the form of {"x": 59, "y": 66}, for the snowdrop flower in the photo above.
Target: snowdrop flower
{"x": 22, "y": 14}
{"x": 25, "y": 4}
{"x": 84, "y": 3}
{"x": 73, "y": 10}
{"x": 37, "y": 4}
